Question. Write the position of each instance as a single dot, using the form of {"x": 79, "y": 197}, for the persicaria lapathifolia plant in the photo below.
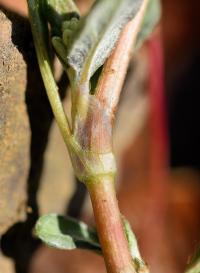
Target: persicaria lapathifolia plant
{"x": 95, "y": 51}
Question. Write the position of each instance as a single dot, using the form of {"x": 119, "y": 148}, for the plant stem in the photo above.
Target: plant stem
{"x": 54, "y": 99}
{"x": 109, "y": 226}
{"x": 91, "y": 139}
{"x": 40, "y": 36}
{"x": 102, "y": 191}
{"x": 111, "y": 81}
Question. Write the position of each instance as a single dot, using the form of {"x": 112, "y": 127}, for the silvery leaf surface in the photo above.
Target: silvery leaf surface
{"x": 66, "y": 233}
{"x": 97, "y": 35}
{"x": 151, "y": 19}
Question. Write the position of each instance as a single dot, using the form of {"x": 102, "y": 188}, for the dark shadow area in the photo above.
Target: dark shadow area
{"x": 184, "y": 113}
{"x": 81, "y": 238}
{"x": 55, "y": 19}
{"x": 181, "y": 37}
{"x": 74, "y": 208}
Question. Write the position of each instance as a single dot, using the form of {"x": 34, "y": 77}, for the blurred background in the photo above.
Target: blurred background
{"x": 156, "y": 141}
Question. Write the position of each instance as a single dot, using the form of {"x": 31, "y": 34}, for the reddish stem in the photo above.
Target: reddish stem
{"x": 115, "y": 69}
{"x": 98, "y": 132}
{"x": 109, "y": 226}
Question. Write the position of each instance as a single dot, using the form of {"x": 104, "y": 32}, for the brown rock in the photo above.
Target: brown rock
{"x": 14, "y": 129}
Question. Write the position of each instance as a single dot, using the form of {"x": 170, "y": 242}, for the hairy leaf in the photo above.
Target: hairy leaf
{"x": 97, "y": 35}
{"x": 151, "y": 18}
{"x": 131, "y": 239}
{"x": 133, "y": 246}
{"x": 66, "y": 233}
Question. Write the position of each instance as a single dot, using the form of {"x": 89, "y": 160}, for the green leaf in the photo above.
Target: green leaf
{"x": 66, "y": 233}
{"x": 58, "y": 11}
{"x": 151, "y": 18}
{"x": 133, "y": 246}
{"x": 39, "y": 30}
{"x": 194, "y": 266}
{"x": 97, "y": 35}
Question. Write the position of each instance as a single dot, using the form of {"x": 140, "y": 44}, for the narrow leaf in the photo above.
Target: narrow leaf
{"x": 151, "y": 18}
{"x": 97, "y": 35}
{"x": 133, "y": 246}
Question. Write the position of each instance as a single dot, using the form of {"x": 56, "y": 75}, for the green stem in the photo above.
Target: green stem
{"x": 109, "y": 226}
{"x": 40, "y": 36}
{"x": 90, "y": 147}
{"x": 54, "y": 99}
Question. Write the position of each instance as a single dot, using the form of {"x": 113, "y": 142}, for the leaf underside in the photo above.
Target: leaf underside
{"x": 97, "y": 35}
